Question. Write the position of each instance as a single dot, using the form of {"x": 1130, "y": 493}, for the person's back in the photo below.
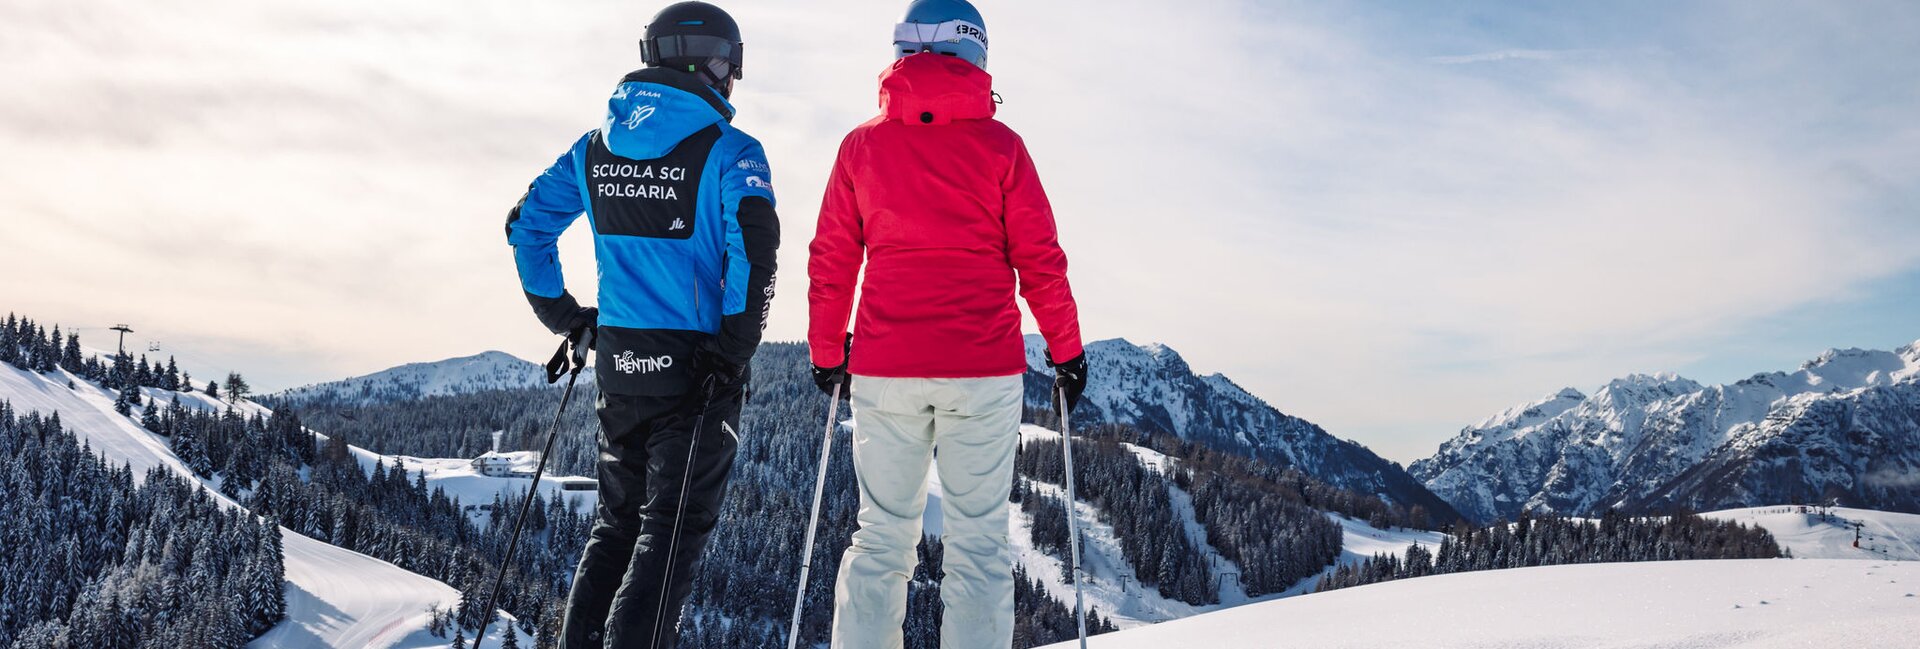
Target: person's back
{"x": 942, "y": 205}
{"x": 685, "y": 235}
{"x": 945, "y": 205}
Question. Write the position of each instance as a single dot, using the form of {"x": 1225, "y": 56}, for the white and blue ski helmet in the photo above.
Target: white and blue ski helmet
{"x": 949, "y": 27}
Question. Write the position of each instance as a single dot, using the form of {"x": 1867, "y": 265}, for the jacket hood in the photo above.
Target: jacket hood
{"x": 932, "y": 89}
{"x": 654, "y": 109}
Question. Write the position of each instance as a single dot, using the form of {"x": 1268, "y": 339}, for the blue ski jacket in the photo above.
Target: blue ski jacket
{"x": 682, "y": 209}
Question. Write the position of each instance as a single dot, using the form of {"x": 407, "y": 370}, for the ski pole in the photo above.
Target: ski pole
{"x": 819, "y": 488}
{"x": 707, "y": 388}
{"x": 1073, "y": 522}
{"x": 560, "y": 358}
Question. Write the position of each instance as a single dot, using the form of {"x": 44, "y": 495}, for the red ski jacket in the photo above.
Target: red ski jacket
{"x": 943, "y": 205}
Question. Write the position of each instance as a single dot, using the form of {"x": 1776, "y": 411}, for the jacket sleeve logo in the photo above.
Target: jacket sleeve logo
{"x": 640, "y": 114}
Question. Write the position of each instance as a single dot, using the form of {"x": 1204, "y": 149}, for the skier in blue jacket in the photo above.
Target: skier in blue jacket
{"x": 682, "y": 210}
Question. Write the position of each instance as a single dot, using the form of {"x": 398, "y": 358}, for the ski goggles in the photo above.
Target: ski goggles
{"x": 721, "y": 57}
{"x": 952, "y": 31}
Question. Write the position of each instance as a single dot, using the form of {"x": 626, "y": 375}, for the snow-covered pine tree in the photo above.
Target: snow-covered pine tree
{"x": 237, "y": 387}
{"x": 124, "y": 401}
{"x": 73, "y": 360}
{"x": 9, "y": 341}
{"x": 200, "y": 462}
{"x": 47, "y": 354}
{"x": 150, "y": 420}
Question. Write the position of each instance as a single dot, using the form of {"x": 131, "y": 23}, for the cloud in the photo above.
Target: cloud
{"x": 1514, "y": 55}
{"x": 1298, "y": 196}
{"x": 1892, "y": 479}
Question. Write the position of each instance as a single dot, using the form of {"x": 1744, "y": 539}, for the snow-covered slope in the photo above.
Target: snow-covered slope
{"x": 1748, "y": 604}
{"x": 1830, "y": 532}
{"x": 1844, "y": 425}
{"x": 484, "y": 371}
{"x": 1360, "y": 541}
{"x": 1153, "y": 388}
{"x": 335, "y": 597}
{"x": 1111, "y": 584}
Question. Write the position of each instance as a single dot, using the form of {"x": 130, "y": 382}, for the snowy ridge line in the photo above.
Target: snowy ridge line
{"x": 491, "y": 370}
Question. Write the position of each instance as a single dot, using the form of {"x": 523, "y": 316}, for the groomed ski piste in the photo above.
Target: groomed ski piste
{"x": 1728, "y": 604}
{"x": 335, "y": 597}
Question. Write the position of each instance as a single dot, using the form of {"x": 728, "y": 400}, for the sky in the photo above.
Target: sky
{"x": 1391, "y": 219}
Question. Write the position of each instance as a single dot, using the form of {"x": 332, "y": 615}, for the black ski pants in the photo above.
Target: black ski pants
{"x": 645, "y": 447}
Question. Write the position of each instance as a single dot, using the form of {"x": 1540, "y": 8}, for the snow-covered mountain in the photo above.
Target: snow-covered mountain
{"x": 1844, "y": 425}
{"x": 1153, "y": 388}
{"x": 491, "y": 370}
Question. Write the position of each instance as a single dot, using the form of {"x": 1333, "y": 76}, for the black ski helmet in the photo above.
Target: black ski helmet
{"x": 696, "y": 37}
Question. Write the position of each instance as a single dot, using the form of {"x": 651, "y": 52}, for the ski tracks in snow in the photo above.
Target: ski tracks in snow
{"x": 341, "y": 598}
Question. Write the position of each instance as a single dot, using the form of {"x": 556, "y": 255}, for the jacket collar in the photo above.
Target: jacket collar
{"x": 687, "y": 82}
{"x": 932, "y": 89}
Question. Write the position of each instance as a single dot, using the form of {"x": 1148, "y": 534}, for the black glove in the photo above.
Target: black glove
{"x": 709, "y": 363}
{"x": 563, "y": 315}
{"x": 572, "y": 355}
{"x": 1071, "y": 376}
{"x": 826, "y": 378}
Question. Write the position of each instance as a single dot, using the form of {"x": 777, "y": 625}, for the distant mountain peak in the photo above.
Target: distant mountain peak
{"x": 488, "y": 370}
{"x": 1152, "y": 387}
{"x": 1533, "y": 411}
{"x": 1853, "y": 368}
{"x": 1837, "y": 355}
{"x": 1664, "y": 381}
{"x": 1112, "y": 350}
{"x": 1634, "y": 439}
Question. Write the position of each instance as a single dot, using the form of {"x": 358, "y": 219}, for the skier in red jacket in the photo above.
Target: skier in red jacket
{"x": 943, "y": 206}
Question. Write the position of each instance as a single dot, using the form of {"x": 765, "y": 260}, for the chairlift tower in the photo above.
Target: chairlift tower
{"x": 124, "y": 330}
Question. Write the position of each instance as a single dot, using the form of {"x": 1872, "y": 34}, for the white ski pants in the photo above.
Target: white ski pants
{"x": 975, "y": 424}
